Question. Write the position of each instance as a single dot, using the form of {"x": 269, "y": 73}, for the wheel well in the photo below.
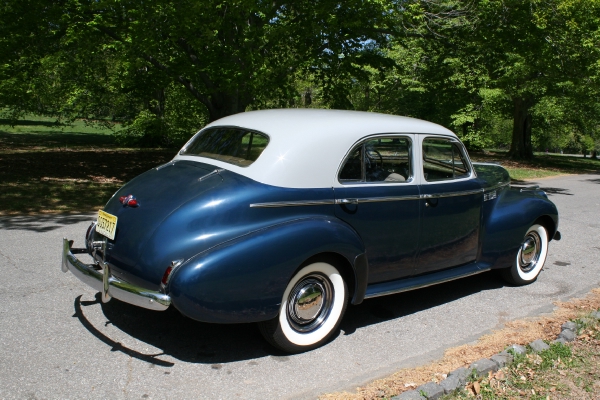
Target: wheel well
{"x": 341, "y": 263}
{"x": 549, "y": 224}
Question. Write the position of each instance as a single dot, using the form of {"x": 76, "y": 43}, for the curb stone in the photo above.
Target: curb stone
{"x": 569, "y": 325}
{"x": 410, "y": 395}
{"x": 502, "y": 359}
{"x": 517, "y": 349}
{"x": 567, "y": 335}
{"x": 484, "y": 366}
{"x": 458, "y": 378}
{"x": 432, "y": 390}
{"x": 538, "y": 345}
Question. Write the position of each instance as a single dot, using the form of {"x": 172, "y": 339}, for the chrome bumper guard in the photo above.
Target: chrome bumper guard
{"x": 110, "y": 286}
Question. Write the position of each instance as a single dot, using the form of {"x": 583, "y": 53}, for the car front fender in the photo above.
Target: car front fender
{"x": 243, "y": 280}
{"x": 507, "y": 219}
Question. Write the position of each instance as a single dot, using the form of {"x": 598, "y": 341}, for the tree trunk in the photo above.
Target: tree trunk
{"x": 521, "y": 148}
{"x": 225, "y": 104}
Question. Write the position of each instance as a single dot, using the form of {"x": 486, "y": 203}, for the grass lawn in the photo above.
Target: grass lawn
{"x": 542, "y": 166}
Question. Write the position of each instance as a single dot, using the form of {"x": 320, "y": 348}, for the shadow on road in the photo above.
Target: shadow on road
{"x": 549, "y": 190}
{"x": 42, "y": 223}
{"x": 197, "y": 342}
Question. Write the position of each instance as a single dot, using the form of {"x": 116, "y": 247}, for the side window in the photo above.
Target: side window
{"x": 443, "y": 160}
{"x": 383, "y": 159}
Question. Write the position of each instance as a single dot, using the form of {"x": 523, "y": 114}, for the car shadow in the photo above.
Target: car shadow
{"x": 196, "y": 342}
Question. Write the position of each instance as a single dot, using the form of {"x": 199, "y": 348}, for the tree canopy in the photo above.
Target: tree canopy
{"x": 518, "y": 73}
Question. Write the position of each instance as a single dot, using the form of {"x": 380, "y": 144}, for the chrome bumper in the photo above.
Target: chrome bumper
{"x": 110, "y": 286}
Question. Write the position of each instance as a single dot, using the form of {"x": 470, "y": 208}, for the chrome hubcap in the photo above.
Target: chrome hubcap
{"x": 309, "y": 303}
{"x": 530, "y": 251}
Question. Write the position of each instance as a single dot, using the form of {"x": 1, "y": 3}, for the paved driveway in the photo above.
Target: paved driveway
{"x": 58, "y": 340}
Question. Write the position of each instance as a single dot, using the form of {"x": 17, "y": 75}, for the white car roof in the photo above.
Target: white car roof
{"x": 307, "y": 146}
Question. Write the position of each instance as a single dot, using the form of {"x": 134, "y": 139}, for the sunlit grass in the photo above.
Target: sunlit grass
{"x": 531, "y": 173}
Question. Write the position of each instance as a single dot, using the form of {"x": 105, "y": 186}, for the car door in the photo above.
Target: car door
{"x": 451, "y": 206}
{"x": 376, "y": 194}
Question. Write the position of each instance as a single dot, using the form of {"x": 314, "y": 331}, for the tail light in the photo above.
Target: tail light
{"x": 169, "y": 270}
{"x": 167, "y": 275}
{"x": 129, "y": 201}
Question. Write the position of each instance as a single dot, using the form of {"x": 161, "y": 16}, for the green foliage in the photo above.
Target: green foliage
{"x": 180, "y": 117}
{"x": 501, "y": 73}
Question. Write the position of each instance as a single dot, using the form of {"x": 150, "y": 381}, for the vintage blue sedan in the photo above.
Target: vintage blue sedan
{"x": 283, "y": 217}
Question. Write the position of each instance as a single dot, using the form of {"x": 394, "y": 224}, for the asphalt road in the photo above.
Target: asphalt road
{"x": 58, "y": 341}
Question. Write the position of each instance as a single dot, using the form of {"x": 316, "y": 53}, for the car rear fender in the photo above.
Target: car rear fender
{"x": 506, "y": 220}
{"x": 243, "y": 280}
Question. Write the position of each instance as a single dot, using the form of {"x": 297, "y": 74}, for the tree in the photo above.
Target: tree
{"x": 227, "y": 55}
{"x": 532, "y": 49}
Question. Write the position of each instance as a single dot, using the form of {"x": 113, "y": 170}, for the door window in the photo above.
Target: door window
{"x": 443, "y": 160}
{"x": 381, "y": 160}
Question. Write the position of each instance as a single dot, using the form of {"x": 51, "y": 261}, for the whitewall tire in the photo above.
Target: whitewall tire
{"x": 311, "y": 310}
{"x": 530, "y": 258}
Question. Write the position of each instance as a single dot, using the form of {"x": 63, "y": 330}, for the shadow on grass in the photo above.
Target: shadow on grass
{"x": 25, "y": 122}
{"x": 69, "y": 181}
{"x": 51, "y": 139}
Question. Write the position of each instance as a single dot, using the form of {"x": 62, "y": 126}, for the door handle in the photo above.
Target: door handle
{"x": 346, "y": 201}
{"x": 431, "y": 202}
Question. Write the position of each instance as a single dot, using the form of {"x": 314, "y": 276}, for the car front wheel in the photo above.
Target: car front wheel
{"x": 530, "y": 258}
{"x": 312, "y": 307}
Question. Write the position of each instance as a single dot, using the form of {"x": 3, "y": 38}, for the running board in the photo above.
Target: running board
{"x": 418, "y": 282}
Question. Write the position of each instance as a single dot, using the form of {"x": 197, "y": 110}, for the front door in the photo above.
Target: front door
{"x": 451, "y": 202}
{"x": 378, "y": 196}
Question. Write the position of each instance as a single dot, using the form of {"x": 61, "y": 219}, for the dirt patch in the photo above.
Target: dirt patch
{"x": 520, "y": 332}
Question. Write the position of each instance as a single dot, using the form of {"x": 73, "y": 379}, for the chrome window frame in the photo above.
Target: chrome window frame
{"x": 461, "y": 147}
{"x": 361, "y": 142}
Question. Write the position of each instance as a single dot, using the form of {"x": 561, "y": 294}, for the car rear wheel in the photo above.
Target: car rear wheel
{"x": 312, "y": 307}
{"x": 530, "y": 258}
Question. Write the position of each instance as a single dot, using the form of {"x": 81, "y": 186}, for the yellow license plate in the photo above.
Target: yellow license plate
{"x": 106, "y": 224}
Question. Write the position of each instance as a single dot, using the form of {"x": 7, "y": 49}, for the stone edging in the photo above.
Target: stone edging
{"x": 459, "y": 377}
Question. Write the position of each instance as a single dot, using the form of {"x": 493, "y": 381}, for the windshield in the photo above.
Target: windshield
{"x": 235, "y": 146}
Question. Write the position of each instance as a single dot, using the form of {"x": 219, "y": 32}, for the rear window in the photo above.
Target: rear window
{"x": 235, "y": 146}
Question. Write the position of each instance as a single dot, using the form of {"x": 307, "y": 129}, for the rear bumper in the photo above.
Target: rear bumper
{"x": 110, "y": 286}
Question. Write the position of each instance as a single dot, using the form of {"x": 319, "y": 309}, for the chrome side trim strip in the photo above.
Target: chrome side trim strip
{"x": 110, "y": 286}
{"x": 377, "y": 199}
{"x": 498, "y": 186}
{"x": 373, "y": 199}
{"x": 525, "y": 188}
{"x": 293, "y": 203}
{"x": 451, "y": 194}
